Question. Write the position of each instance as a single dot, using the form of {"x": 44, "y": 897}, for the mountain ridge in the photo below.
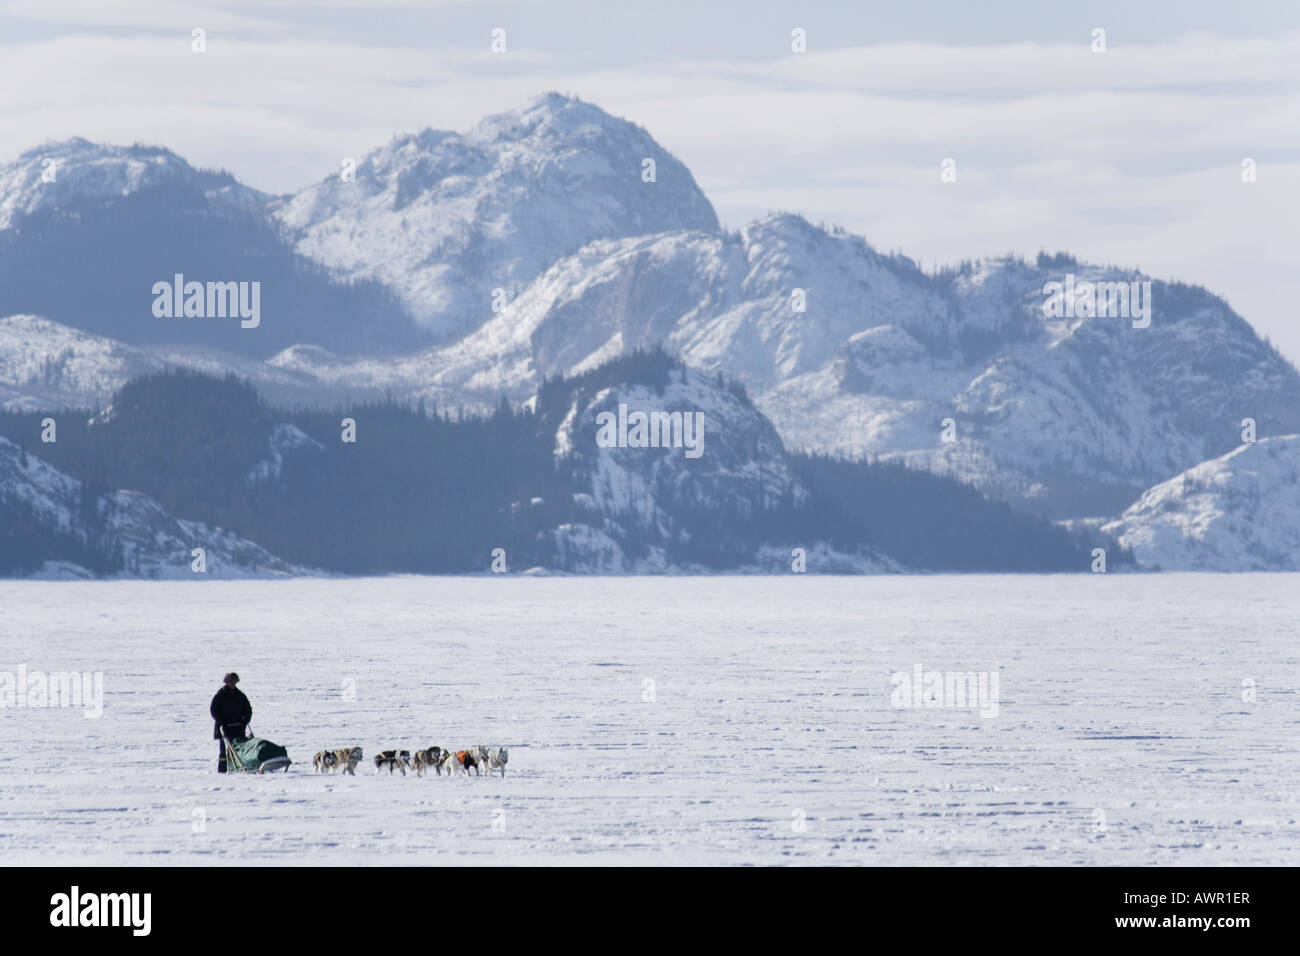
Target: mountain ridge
{"x": 550, "y": 486}
{"x": 536, "y": 248}
{"x": 446, "y": 218}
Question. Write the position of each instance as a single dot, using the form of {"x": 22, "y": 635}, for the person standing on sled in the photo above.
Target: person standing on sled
{"x": 231, "y": 710}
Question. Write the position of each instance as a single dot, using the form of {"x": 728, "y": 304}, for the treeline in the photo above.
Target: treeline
{"x": 930, "y": 521}
{"x": 418, "y": 491}
{"x": 28, "y": 540}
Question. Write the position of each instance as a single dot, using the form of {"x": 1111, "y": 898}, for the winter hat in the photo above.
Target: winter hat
{"x": 232, "y": 679}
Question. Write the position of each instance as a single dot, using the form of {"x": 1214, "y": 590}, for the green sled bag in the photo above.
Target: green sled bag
{"x": 255, "y": 755}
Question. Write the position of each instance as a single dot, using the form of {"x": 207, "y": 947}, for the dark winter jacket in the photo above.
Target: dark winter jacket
{"x": 231, "y": 709}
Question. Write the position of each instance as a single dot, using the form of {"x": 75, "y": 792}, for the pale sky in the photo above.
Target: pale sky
{"x": 1132, "y": 156}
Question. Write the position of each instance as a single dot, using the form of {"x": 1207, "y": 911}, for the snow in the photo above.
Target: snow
{"x": 882, "y": 355}
{"x": 155, "y": 544}
{"x": 1120, "y": 707}
{"x": 83, "y": 170}
{"x": 546, "y": 204}
{"x": 64, "y": 366}
{"x": 649, "y": 494}
{"x": 1238, "y": 512}
{"x": 444, "y": 218}
{"x": 284, "y": 438}
{"x": 45, "y": 365}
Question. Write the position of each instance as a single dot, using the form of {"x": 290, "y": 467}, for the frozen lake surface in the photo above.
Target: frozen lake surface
{"x": 768, "y": 734}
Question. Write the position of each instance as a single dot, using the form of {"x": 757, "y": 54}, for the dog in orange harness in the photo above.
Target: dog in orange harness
{"x": 464, "y": 759}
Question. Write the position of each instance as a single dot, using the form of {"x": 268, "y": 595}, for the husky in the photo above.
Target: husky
{"x": 463, "y": 760}
{"x": 423, "y": 760}
{"x": 393, "y": 759}
{"x": 325, "y": 761}
{"x": 492, "y": 758}
{"x": 345, "y": 759}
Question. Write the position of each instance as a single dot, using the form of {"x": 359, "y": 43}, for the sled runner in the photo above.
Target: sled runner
{"x": 253, "y": 754}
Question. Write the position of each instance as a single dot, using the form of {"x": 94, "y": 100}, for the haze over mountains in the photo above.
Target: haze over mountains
{"x": 458, "y": 268}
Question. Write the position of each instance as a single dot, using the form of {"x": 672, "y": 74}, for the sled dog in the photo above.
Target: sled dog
{"x": 393, "y": 759}
{"x": 345, "y": 759}
{"x": 464, "y": 759}
{"x": 426, "y": 759}
{"x": 492, "y": 758}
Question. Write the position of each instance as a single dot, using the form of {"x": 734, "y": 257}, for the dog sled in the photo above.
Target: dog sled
{"x": 253, "y": 754}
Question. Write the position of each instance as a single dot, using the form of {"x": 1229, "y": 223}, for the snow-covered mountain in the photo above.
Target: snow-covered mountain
{"x": 844, "y": 349}
{"x": 47, "y": 365}
{"x": 153, "y": 542}
{"x": 76, "y": 170}
{"x": 644, "y": 503}
{"x": 446, "y": 218}
{"x": 1078, "y": 414}
{"x": 1238, "y": 512}
{"x": 640, "y": 465}
{"x": 87, "y": 232}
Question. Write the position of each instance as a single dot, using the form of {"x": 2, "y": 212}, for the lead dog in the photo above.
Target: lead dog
{"x": 493, "y": 758}
{"x": 432, "y": 757}
{"x": 346, "y": 758}
{"x": 393, "y": 759}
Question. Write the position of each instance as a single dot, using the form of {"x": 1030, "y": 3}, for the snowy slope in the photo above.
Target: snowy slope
{"x": 82, "y": 170}
{"x": 155, "y": 543}
{"x": 1086, "y": 411}
{"x": 445, "y": 218}
{"x": 87, "y": 246}
{"x": 1239, "y": 512}
{"x": 1089, "y": 411}
{"x": 653, "y": 495}
{"x": 1073, "y": 415}
{"x": 47, "y": 365}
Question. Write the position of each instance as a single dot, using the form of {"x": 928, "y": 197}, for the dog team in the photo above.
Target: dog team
{"x": 435, "y": 758}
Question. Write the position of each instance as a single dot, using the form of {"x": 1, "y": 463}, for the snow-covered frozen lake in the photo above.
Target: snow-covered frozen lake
{"x": 666, "y": 720}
